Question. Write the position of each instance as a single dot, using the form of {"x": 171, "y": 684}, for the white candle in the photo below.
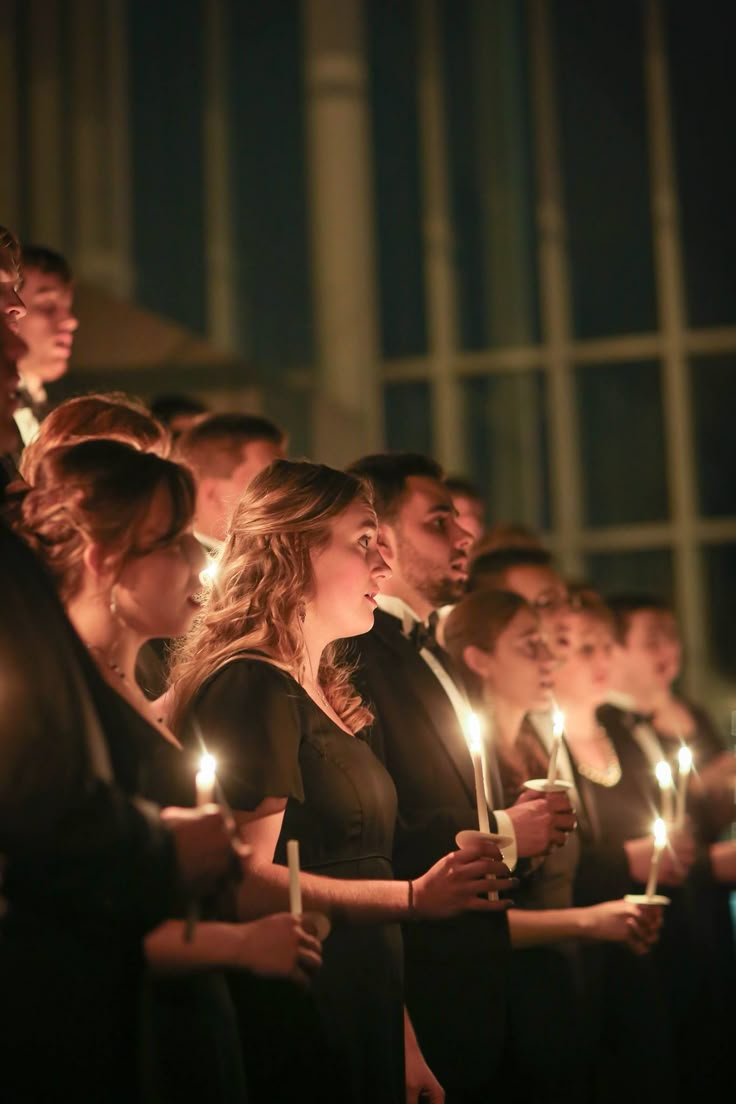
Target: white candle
{"x": 472, "y": 735}
{"x": 663, "y": 772}
{"x": 660, "y": 839}
{"x": 295, "y": 889}
{"x": 205, "y": 780}
{"x": 685, "y": 764}
{"x": 558, "y": 730}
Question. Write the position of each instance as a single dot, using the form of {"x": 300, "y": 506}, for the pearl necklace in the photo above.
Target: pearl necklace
{"x": 608, "y": 776}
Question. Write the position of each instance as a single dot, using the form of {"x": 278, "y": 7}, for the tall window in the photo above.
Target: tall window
{"x": 585, "y": 227}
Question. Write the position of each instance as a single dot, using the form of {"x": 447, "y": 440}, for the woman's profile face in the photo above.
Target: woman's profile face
{"x": 347, "y": 574}
{"x": 156, "y": 591}
{"x": 520, "y": 667}
{"x": 585, "y": 678}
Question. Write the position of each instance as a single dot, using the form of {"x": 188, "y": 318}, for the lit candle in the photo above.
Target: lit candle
{"x": 660, "y": 839}
{"x": 205, "y": 780}
{"x": 208, "y": 574}
{"x": 558, "y": 731}
{"x": 472, "y": 735}
{"x": 295, "y": 890}
{"x": 685, "y": 764}
{"x": 663, "y": 772}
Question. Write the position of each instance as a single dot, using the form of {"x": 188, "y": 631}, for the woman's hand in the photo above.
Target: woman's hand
{"x": 278, "y": 946}
{"x": 624, "y": 922}
{"x": 461, "y": 881}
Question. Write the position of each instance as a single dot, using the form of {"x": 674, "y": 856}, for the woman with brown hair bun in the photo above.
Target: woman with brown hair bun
{"x": 113, "y": 526}
{"x": 263, "y": 678}
{"x": 496, "y": 636}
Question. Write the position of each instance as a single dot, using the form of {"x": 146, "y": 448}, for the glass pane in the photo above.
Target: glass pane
{"x": 701, "y": 75}
{"x": 167, "y": 159}
{"x": 713, "y": 387}
{"x": 491, "y": 173}
{"x": 407, "y": 410}
{"x": 622, "y": 443}
{"x": 392, "y": 56}
{"x": 506, "y": 432}
{"x": 268, "y": 164}
{"x": 599, "y": 62}
{"x": 645, "y": 572}
{"x": 719, "y": 562}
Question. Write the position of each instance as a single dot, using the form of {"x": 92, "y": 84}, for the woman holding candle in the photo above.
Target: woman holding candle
{"x": 113, "y": 525}
{"x": 261, "y": 674}
{"x": 496, "y": 635}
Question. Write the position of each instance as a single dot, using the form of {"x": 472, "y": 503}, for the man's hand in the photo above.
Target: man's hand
{"x": 541, "y": 821}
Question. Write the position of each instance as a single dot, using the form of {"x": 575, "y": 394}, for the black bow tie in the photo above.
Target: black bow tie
{"x": 425, "y": 636}
{"x": 636, "y": 718}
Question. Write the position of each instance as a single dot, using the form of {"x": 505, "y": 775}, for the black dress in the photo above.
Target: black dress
{"x": 342, "y": 1039}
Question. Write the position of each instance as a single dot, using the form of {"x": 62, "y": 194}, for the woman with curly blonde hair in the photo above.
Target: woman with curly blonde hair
{"x": 261, "y": 678}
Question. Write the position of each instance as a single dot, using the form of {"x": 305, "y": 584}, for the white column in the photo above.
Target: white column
{"x": 10, "y": 212}
{"x": 554, "y": 286}
{"x": 217, "y": 191}
{"x": 46, "y": 166}
{"x": 347, "y": 407}
{"x": 675, "y": 376}
{"x": 439, "y": 246}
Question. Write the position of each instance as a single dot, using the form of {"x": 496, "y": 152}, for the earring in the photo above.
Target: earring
{"x": 301, "y": 609}
{"x": 113, "y": 603}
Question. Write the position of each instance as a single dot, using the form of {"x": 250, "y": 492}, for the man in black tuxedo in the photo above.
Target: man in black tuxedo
{"x": 456, "y": 971}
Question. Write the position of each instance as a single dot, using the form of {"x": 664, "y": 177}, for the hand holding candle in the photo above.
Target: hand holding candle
{"x": 660, "y": 841}
{"x": 685, "y": 764}
{"x": 472, "y": 735}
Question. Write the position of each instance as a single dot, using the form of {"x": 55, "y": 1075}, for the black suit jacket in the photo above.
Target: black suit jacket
{"x": 456, "y": 970}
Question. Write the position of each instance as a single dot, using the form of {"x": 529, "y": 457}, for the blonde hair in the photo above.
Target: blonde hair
{"x": 264, "y": 577}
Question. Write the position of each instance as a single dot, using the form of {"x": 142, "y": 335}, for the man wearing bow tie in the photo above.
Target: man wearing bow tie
{"x": 456, "y": 971}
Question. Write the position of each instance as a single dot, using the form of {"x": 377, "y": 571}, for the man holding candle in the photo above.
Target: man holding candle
{"x": 456, "y": 971}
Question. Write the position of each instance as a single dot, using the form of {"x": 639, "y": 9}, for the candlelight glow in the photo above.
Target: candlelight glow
{"x": 558, "y": 722}
{"x": 207, "y": 768}
{"x": 685, "y": 760}
{"x": 472, "y": 732}
{"x": 663, "y": 772}
{"x": 209, "y": 573}
{"x": 660, "y": 833}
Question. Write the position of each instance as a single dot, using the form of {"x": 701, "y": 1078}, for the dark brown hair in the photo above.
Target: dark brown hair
{"x": 480, "y": 618}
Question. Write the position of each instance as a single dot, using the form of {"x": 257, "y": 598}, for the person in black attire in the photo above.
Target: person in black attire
{"x": 647, "y": 662}
{"x": 114, "y": 525}
{"x": 261, "y": 676}
{"x": 496, "y": 636}
{"x": 456, "y": 972}
{"x": 88, "y": 868}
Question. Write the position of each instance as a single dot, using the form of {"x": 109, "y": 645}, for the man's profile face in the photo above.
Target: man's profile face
{"x": 48, "y": 327}
{"x": 12, "y": 306}
{"x": 431, "y": 551}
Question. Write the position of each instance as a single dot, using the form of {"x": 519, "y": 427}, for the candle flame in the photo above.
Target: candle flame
{"x": 663, "y": 772}
{"x": 558, "y": 722}
{"x": 660, "y": 833}
{"x": 208, "y": 767}
{"x": 208, "y": 574}
{"x": 685, "y": 760}
{"x": 472, "y": 732}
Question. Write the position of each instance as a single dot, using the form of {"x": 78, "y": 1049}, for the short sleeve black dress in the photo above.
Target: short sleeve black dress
{"x": 342, "y": 1039}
